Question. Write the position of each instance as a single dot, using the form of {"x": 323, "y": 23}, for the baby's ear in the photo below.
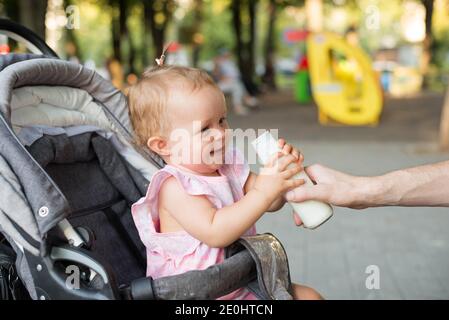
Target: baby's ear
{"x": 159, "y": 145}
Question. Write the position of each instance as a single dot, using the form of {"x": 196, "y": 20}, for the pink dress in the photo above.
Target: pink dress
{"x": 177, "y": 252}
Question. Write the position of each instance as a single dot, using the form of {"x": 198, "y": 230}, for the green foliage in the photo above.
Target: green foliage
{"x": 441, "y": 51}
{"x": 95, "y": 40}
{"x": 94, "y": 35}
{"x": 216, "y": 29}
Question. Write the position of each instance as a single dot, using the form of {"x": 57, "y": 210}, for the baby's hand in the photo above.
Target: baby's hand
{"x": 289, "y": 149}
{"x": 286, "y": 149}
{"x": 273, "y": 179}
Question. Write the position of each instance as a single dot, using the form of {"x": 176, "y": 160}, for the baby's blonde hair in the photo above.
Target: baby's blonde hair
{"x": 147, "y": 99}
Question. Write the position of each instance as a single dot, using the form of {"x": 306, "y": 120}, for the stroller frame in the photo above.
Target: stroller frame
{"x": 42, "y": 263}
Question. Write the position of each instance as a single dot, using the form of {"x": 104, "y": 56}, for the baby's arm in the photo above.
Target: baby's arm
{"x": 279, "y": 202}
{"x": 221, "y": 227}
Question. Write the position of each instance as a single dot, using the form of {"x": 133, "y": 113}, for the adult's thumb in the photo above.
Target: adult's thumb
{"x": 298, "y": 194}
{"x": 303, "y": 193}
{"x": 313, "y": 171}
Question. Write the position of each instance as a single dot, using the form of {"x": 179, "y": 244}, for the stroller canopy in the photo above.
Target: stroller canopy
{"x": 52, "y": 93}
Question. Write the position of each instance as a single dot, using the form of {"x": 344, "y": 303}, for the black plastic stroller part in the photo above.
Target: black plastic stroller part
{"x": 87, "y": 235}
{"x": 11, "y": 287}
{"x": 59, "y": 275}
{"x": 22, "y": 34}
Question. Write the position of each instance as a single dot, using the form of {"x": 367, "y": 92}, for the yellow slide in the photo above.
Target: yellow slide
{"x": 344, "y": 85}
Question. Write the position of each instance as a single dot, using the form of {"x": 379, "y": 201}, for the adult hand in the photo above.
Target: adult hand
{"x": 425, "y": 185}
{"x": 333, "y": 187}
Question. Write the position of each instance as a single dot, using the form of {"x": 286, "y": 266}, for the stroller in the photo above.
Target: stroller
{"x": 69, "y": 174}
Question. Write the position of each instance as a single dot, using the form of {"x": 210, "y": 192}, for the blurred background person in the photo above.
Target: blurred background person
{"x": 228, "y": 78}
{"x": 115, "y": 71}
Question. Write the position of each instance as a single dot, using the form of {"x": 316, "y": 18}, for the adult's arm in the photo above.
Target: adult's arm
{"x": 426, "y": 185}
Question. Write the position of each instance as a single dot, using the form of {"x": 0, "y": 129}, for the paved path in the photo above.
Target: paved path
{"x": 410, "y": 246}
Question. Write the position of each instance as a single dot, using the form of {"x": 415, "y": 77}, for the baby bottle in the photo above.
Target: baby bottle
{"x": 312, "y": 213}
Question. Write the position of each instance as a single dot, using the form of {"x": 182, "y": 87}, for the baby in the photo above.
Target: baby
{"x": 205, "y": 198}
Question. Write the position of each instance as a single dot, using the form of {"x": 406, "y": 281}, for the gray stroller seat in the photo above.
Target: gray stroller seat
{"x": 69, "y": 201}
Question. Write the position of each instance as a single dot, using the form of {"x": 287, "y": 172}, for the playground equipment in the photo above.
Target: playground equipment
{"x": 344, "y": 85}
{"x": 302, "y": 90}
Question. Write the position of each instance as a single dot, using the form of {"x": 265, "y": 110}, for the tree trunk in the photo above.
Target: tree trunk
{"x": 158, "y": 30}
{"x": 244, "y": 50}
{"x": 115, "y": 30}
{"x": 252, "y": 4}
{"x": 428, "y": 41}
{"x": 125, "y": 37}
{"x": 132, "y": 56}
{"x": 269, "y": 77}
{"x": 444, "y": 124}
{"x": 237, "y": 25}
{"x": 123, "y": 13}
{"x": 32, "y": 15}
{"x": 158, "y": 36}
{"x": 11, "y": 9}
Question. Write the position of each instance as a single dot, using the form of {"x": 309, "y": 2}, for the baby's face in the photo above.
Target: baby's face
{"x": 197, "y": 140}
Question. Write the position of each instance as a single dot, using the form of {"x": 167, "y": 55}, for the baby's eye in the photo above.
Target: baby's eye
{"x": 222, "y": 120}
{"x": 205, "y": 129}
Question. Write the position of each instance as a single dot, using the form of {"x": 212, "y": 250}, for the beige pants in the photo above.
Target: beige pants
{"x": 235, "y": 88}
